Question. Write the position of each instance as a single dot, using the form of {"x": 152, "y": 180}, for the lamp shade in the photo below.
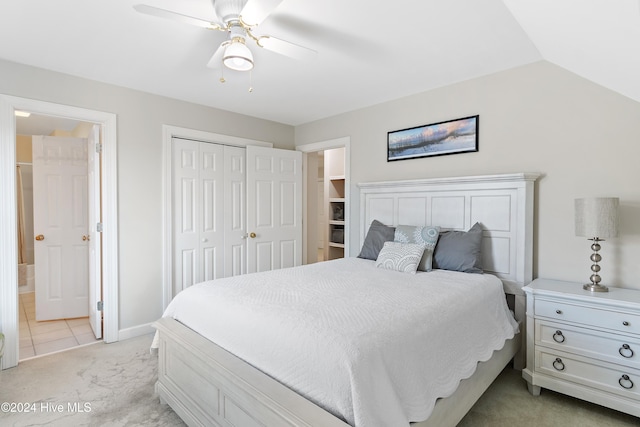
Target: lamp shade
{"x": 238, "y": 57}
{"x": 597, "y": 217}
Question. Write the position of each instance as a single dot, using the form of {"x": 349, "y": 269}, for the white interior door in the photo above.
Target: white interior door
{"x": 274, "y": 208}
{"x": 198, "y": 212}
{"x": 94, "y": 237}
{"x": 60, "y": 223}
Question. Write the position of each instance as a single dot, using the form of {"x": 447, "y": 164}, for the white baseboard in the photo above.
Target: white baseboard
{"x": 136, "y": 331}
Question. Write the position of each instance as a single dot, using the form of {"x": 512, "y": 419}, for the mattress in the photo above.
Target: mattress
{"x": 373, "y": 347}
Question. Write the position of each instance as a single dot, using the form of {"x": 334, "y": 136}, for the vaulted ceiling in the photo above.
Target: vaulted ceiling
{"x": 368, "y": 51}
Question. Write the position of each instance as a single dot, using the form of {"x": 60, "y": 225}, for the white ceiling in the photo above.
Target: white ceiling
{"x": 369, "y": 51}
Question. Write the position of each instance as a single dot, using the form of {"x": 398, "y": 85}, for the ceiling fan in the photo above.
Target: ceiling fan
{"x": 238, "y": 18}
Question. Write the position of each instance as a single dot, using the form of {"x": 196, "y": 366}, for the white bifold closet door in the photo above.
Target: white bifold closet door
{"x": 212, "y": 208}
{"x": 208, "y": 216}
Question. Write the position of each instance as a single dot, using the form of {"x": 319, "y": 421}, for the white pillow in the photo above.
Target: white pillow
{"x": 403, "y": 257}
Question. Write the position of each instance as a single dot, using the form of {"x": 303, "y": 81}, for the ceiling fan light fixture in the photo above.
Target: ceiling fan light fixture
{"x": 237, "y": 55}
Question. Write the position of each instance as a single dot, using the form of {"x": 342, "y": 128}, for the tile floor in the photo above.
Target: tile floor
{"x": 38, "y": 338}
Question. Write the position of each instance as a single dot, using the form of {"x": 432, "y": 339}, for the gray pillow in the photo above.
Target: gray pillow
{"x": 376, "y": 236}
{"x": 459, "y": 250}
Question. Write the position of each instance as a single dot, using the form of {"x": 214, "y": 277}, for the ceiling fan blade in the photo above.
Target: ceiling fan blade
{"x": 286, "y": 48}
{"x": 167, "y": 14}
{"x": 256, "y": 11}
{"x": 216, "y": 60}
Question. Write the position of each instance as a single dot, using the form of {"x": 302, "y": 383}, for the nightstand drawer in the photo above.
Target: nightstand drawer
{"x": 588, "y": 342}
{"x": 623, "y": 322}
{"x": 580, "y": 370}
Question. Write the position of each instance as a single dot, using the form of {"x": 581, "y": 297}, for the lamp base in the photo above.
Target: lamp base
{"x": 595, "y": 287}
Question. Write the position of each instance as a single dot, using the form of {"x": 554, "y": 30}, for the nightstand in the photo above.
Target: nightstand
{"x": 584, "y": 344}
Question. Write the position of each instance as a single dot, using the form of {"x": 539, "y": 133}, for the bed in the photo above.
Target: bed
{"x": 206, "y": 384}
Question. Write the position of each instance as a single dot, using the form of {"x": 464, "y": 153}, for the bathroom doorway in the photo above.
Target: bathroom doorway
{"x": 56, "y": 276}
{"x": 9, "y": 105}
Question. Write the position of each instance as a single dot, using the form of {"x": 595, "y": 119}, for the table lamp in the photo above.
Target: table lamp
{"x": 596, "y": 218}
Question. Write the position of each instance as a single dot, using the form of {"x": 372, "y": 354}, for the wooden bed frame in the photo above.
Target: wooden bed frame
{"x": 206, "y": 385}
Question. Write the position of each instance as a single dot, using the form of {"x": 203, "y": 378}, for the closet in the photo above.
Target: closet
{"x": 334, "y": 193}
{"x": 235, "y": 210}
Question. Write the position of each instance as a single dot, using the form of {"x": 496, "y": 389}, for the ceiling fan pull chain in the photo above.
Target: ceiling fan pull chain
{"x": 250, "y": 81}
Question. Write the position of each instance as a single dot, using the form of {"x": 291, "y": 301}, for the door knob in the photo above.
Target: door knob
{"x": 39, "y": 237}
{"x": 252, "y": 235}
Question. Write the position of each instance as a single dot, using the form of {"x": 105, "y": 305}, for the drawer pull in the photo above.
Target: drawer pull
{"x": 558, "y": 311}
{"x": 559, "y": 338}
{"x": 625, "y": 323}
{"x": 626, "y": 351}
{"x": 625, "y": 382}
{"x": 559, "y": 365}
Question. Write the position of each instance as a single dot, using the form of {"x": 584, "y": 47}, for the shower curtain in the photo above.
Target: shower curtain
{"x": 22, "y": 252}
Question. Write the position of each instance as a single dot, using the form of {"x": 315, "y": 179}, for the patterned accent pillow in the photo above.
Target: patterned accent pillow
{"x": 427, "y": 236}
{"x": 403, "y": 257}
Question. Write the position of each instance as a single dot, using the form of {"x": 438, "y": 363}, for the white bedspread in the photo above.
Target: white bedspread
{"x": 372, "y": 346}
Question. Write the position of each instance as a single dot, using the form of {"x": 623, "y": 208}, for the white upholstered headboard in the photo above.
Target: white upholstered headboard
{"x": 503, "y": 204}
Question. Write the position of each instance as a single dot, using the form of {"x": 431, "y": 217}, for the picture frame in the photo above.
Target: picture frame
{"x": 436, "y": 139}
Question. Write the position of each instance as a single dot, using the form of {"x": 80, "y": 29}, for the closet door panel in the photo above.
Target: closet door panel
{"x": 198, "y": 224}
{"x": 288, "y": 208}
{"x": 264, "y": 204}
{"x": 211, "y": 204}
{"x": 235, "y": 196}
{"x": 185, "y": 213}
{"x": 274, "y": 208}
{"x": 209, "y": 267}
{"x": 188, "y": 208}
{"x": 288, "y": 253}
{"x": 264, "y": 256}
{"x": 187, "y": 268}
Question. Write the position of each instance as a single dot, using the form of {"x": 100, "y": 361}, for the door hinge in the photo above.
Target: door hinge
{"x": 99, "y": 147}
{"x": 100, "y": 305}
{"x": 99, "y": 227}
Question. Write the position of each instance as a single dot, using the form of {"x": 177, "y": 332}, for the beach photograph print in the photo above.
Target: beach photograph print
{"x": 450, "y": 137}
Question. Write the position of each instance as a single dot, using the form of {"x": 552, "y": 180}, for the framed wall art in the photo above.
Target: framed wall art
{"x": 437, "y": 139}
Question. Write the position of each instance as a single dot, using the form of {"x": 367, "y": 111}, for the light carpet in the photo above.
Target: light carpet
{"x": 97, "y": 385}
{"x": 113, "y": 385}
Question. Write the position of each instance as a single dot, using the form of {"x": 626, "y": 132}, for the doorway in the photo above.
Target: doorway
{"x": 9, "y": 315}
{"x": 326, "y": 200}
{"x": 58, "y": 252}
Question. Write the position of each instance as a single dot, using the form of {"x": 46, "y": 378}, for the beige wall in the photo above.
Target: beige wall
{"x": 584, "y": 139}
{"x": 23, "y": 148}
{"x": 140, "y": 118}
